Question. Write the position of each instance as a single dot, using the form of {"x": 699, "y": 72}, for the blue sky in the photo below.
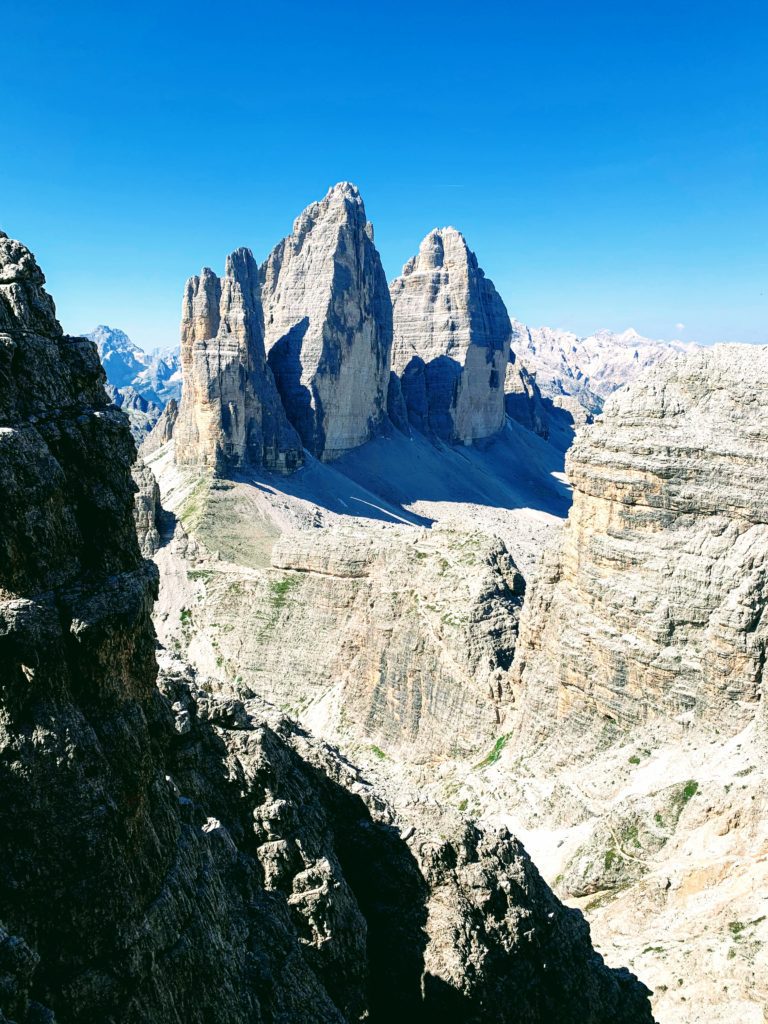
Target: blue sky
{"x": 608, "y": 162}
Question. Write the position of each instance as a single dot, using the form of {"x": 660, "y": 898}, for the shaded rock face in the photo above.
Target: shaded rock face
{"x": 154, "y": 839}
{"x": 554, "y": 419}
{"x": 451, "y": 341}
{"x": 328, "y": 325}
{"x": 115, "y": 904}
{"x": 230, "y": 415}
{"x": 523, "y": 401}
{"x": 162, "y": 432}
{"x": 147, "y": 510}
{"x": 653, "y": 602}
{"x": 378, "y": 915}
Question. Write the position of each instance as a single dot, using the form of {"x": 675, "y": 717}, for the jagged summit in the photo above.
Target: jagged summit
{"x": 434, "y": 247}
{"x": 122, "y": 360}
{"x": 230, "y": 414}
{"x": 328, "y": 324}
{"x": 580, "y": 372}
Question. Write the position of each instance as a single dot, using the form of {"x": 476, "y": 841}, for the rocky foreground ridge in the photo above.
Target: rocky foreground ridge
{"x": 171, "y": 852}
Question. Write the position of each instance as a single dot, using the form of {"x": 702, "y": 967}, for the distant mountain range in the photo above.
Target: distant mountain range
{"x": 139, "y": 382}
{"x": 579, "y": 373}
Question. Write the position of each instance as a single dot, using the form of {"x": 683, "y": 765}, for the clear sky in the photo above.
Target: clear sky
{"x": 608, "y": 162}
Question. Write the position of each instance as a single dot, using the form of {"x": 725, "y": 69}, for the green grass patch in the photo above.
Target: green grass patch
{"x": 683, "y": 795}
{"x": 495, "y": 753}
{"x": 280, "y": 589}
{"x": 690, "y": 789}
{"x": 195, "y": 505}
{"x": 629, "y": 836}
{"x": 610, "y": 858}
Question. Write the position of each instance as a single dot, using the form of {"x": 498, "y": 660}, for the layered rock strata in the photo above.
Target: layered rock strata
{"x": 451, "y": 341}
{"x": 423, "y": 630}
{"x": 230, "y": 416}
{"x": 328, "y": 324}
{"x": 653, "y": 602}
{"x": 152, "y": 840}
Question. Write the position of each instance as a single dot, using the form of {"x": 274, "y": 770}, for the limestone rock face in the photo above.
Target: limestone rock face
{"x": 162, "y": 431}
{"x": 230, "y": 415}
{"x": 523, "y": 401}
{"x": 653, "y": 603}
{"x": 328, "y": 325}
{"x": 147, "y": 510}
{"x": 451, "y": 341}
{"x": 407, "y": 624}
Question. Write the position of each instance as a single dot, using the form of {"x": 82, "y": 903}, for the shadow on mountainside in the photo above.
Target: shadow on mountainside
{"x": 284, "y": 359}
{"x": 383, "y": 479}
{"x": 526, "y": 958}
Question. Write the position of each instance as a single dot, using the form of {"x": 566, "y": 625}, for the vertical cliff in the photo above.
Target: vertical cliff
{"x": 230, "y": 414}
{"x": 653, "y": 603}
{"x": 451, "y": 341}
{"x": 328, "y": 324}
